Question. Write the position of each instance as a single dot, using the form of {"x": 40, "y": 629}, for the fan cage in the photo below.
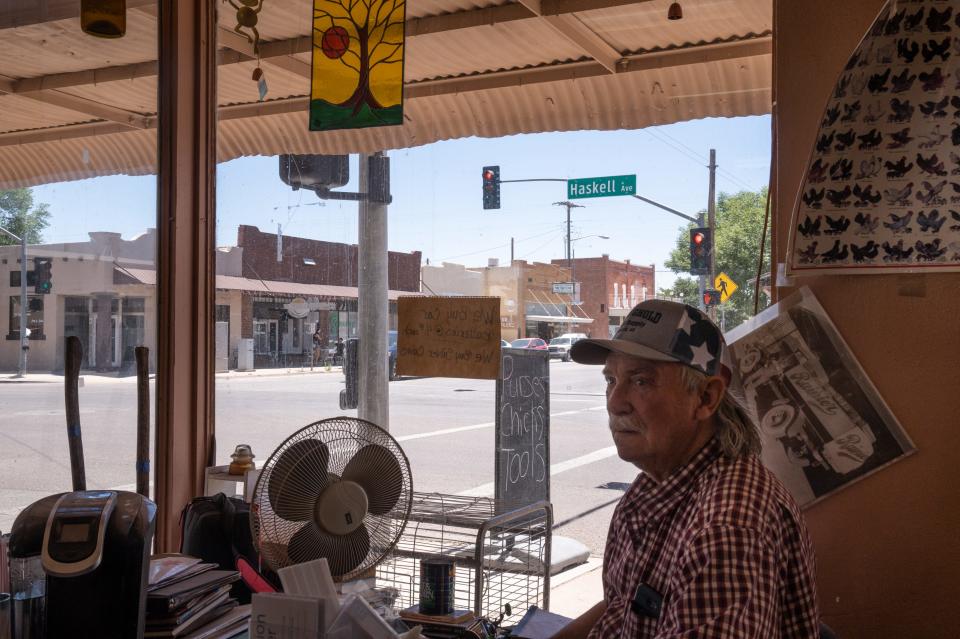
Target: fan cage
{"x": 344, "y": 437}
{"x": 500, "y": 555}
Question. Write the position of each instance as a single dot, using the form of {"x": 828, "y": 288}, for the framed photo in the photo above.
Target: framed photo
{"x": 822, "y": 422}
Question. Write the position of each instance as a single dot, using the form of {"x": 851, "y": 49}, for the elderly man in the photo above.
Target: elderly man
{"x": 706, "y": 543}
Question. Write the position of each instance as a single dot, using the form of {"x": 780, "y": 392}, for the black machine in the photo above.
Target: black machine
{"x": 94, "y": 547}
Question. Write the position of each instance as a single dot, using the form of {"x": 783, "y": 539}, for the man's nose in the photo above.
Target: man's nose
{"x": 617, "y": 403}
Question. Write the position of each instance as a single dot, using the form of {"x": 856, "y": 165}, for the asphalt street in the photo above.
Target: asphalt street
{"x": 445, "y": 427}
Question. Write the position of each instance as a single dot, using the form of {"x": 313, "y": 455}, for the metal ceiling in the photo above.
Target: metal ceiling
{"x": 73, "y": 107}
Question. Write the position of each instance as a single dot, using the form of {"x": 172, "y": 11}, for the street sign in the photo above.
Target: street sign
{"x": 725, "y": 285}
{"x": 563, "y": 288}
{"x": 606, "y": 186}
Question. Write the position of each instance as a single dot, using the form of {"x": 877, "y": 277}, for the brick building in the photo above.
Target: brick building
{"x": 320, "y": 276}
{"x": 609, "y": 289}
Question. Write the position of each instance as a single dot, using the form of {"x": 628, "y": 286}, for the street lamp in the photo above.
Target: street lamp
{"x": 22, "y": 362}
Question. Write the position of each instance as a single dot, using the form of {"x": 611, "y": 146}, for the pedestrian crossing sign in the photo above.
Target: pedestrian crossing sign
{"x": 725, "y": 285}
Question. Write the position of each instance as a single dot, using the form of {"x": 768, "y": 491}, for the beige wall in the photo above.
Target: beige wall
{"x": 501, "y": 281}
{"x": 451, "y": 279}
{"x": 888, "y": 547}
{"x": 74, "y": 277}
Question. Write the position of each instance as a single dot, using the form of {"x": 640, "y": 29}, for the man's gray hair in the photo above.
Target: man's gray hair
{"x": 737, "y": 434}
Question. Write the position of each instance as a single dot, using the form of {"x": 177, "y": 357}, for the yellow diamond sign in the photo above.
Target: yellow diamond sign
{"x": 725, "y": 285}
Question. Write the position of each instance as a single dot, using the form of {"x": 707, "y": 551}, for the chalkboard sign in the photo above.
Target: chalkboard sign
{"x": 522, "y": 466}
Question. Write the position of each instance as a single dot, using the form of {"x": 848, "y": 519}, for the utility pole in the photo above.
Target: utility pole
{"x": 24, "y": 344}
{"x": 279, "y": 243}
{"x": 569, "y": 205}
{"x": 511, "y": 250}
{"x": 372, "y": 305}
{"x": 712, "y": 225}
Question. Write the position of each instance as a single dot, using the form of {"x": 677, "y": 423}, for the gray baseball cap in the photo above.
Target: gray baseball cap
{"x": 664, "y": 332}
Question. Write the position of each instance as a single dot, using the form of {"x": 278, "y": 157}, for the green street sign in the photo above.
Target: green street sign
{"x": 606, "y": 186}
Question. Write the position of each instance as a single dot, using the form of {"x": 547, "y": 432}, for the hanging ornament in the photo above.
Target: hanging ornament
{"x": 882, "y": 188}
{"x": 248, "y": 12}
{"x": 103, "y": 18}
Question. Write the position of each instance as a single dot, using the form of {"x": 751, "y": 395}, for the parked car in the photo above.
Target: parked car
{"x": 532, "y": 343}
{"x": 560, "y": 346}
{"x": 504, "y": 344}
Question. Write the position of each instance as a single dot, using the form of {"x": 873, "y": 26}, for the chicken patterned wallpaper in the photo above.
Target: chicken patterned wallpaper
{"x": 882, "y": 189}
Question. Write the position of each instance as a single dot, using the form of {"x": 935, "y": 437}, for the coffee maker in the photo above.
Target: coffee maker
{"x": 83, "y": 561}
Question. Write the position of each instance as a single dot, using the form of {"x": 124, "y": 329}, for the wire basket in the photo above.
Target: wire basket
{"x": 500, "y": 557}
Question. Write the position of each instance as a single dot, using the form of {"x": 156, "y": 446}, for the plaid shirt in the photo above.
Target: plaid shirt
{"x": 725, "y": 545}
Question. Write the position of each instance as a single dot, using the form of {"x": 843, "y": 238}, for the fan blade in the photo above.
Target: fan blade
{"x": 295, "y": 481}
{"x": 343, "y": 553}
{"x": 378, "y": 471}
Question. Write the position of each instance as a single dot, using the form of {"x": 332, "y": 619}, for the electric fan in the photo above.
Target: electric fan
{"x": 339, "y": 488}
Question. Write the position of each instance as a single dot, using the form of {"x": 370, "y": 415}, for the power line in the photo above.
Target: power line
{"x": 730, "y": 176}
{"x": 694, "y": 156}
{"x": 493, "y": 248}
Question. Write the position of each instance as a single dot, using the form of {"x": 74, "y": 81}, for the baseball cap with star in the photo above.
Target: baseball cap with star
{"x": 665, "y": 332}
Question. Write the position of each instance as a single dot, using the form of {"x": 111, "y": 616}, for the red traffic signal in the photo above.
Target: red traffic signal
{"x": 491, "y": 187}
{"x": 711, "y": 297}
{"x": 700, "y": 249}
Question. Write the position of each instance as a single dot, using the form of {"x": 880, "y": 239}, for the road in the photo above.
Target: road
{"x": 444, "y": 426}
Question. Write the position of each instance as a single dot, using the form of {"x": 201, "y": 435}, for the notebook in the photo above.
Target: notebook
{"x": 167, "y": 599}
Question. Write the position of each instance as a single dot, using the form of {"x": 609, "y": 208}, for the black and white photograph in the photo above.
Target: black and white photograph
{"x": 822, "y": 422}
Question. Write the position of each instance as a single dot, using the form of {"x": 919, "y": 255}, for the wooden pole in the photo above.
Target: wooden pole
{"x": 143, "y": 420}
{"x": 71, "y": 398}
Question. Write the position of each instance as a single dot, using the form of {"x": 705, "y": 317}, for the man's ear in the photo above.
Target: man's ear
{"x": 710, "y": 396}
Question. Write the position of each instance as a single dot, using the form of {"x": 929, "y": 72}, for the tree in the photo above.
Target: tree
{"x": 736, "y": 247}
{"x": 358, "y": 62}
{"x": 19, "y": 216}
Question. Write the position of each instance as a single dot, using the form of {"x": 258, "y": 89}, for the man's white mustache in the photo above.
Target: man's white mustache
{"x": 621, "y": 423}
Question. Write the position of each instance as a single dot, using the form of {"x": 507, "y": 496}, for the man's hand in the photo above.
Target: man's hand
{"x": 580, "y": 627}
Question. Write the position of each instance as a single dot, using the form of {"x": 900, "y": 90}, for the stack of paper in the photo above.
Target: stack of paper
{"x": 191, "y": 600}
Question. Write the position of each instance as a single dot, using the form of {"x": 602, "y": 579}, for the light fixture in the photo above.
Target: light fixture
{"x": 309, "y": 261}
{"x": 675, "y": 12}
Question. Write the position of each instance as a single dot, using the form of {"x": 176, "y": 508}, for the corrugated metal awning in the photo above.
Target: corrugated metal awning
{"x": 246, "y": 284}
{"x": 560, "y": 319}
{"x": 73, "y": 107}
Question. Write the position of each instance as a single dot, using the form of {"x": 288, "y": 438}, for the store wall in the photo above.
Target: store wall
{"x": 333, "y": 263}
{"x": 888, "y": 547}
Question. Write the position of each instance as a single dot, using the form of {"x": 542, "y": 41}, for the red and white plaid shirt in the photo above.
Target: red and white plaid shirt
{"x": 724, "y": 544}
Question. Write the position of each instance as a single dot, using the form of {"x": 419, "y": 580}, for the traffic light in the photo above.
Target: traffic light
{"x": 42, "y": 275}
{"x": 711, "y": 297}
{"x": 491, "y": 187}
{"x": 701, "y": 246}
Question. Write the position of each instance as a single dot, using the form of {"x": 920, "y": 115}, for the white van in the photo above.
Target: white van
{"x": 560, "y": 346}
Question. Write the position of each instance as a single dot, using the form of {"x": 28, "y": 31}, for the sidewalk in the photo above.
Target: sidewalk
{"x": 575, "y": 591}
{"x": 88, "y": 377}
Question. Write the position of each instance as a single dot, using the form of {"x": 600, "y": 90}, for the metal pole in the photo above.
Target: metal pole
{"x": 702, "y": 280}
{"x": 712, "y": 223}
{"x": 511, "y": 250}
{"x": 569, "y": 205}
{"x": 279, "y": 243}
{"x": 372, "y": 306}
{"x": 24, "y": 340}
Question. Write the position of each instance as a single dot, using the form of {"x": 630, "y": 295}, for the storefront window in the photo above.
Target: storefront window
{"x": 77, "y": 182}
{"x": 34, "y": 317}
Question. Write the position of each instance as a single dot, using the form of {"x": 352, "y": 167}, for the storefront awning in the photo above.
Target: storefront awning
{"x": 233, "y": 283}
{"x": 80, "y": 107}
{"x": 559, "y": 319}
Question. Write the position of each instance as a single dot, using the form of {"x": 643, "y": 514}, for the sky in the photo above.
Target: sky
{"x": 437, "y": 205}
